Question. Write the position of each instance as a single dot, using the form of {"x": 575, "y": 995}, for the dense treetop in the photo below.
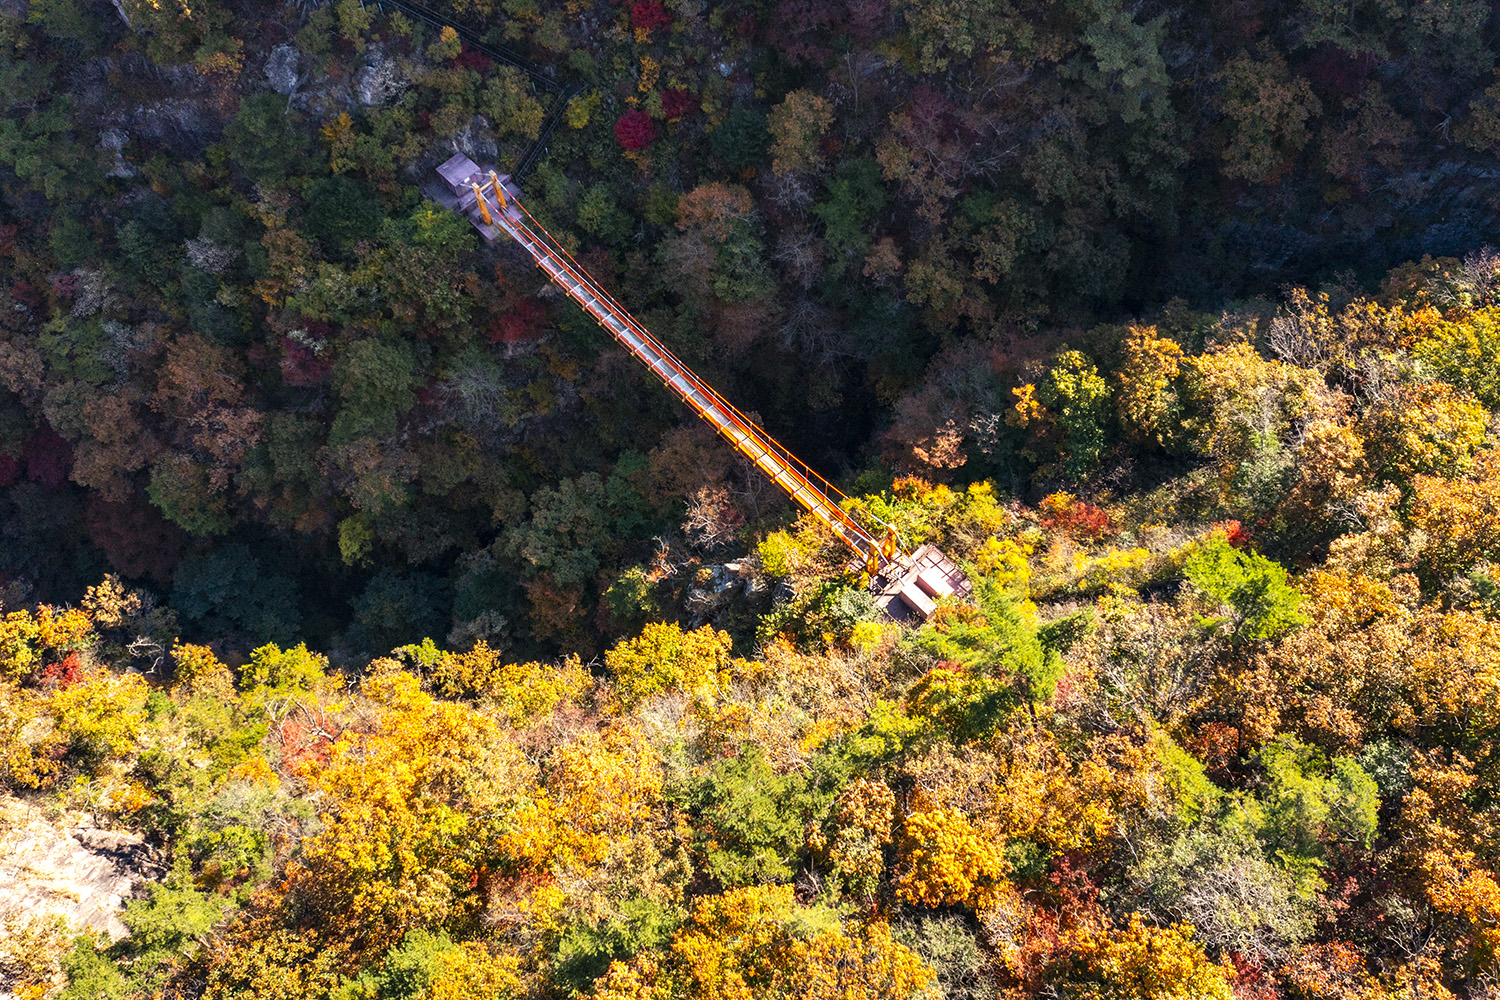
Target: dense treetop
{"x": 440, "y": 654}
{"x": 240, "y": 353}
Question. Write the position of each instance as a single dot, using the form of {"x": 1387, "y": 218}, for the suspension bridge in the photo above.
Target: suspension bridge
{"x": 905, "y": 584}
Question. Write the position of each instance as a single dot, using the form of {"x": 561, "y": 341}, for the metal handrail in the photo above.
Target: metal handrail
{"x": 768, "y": 443}
{"x": 811, "y": 490}
{"x": 805, "y": 486}
{"x": 707, "y": 389}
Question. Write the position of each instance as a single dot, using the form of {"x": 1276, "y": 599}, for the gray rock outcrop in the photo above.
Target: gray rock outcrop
{"x": 281, "y": 70}
{"x": 69, "y": 868}
{"x": 382, "y": 80}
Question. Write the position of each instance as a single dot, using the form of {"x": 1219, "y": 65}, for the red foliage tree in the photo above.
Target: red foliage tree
{"x": 799, "y": 29}
{"x": 1336, "y": 74}
{"x": 306, "y": 739}
{"x": 63, "y": 673}
{"x": 1217, "y": 745}
{"x": 48, "y": 459}
{"x": 600, "y": 262}
{"x": 648, "y": 15}
{"x": 1234, "y": 533}
{"x": 10, "y": 470}
{"x": 869, "y": 19}
{"x": 26, "y": 293}
{"x": 64, "y": 285}
{"x": 1077, "y": 519}
{"x": 678, "y": 103}
{"x": 1251, "y": 981}
{"x": 300, "y": 366}
{"x": 475, "y": 60}
{"x": 635, "y": 130}
{"x": 523, "y": 322}
{"x": 135, "y": 539}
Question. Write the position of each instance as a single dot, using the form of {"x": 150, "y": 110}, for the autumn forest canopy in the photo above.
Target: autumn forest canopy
{"x": 438, "y": 652}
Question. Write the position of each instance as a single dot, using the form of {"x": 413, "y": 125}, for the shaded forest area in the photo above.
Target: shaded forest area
{"x": 438, "y": 655}
{"x": 245, "y": 364}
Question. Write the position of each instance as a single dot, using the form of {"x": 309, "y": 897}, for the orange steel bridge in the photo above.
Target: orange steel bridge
{"x": 492, "y": 203}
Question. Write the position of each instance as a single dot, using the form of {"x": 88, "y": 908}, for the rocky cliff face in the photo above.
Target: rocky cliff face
{"x": 68, "y": 867}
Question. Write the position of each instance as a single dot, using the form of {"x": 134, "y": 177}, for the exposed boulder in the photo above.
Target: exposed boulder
{"x": 113, "y": 140}
{"x": 185, "y": 125}
{"x": 281, "y": 69}
{"x": 324, "y": 99}
{"x": 69, "y": 867}
{"x": 712, "y": 588}
{"x": 477, "y": 141}
{"x": 382, "y": 80}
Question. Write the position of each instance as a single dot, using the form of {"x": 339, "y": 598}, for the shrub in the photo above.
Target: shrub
{"x": 750, "y": 819}
{"x": 996, "y": 640}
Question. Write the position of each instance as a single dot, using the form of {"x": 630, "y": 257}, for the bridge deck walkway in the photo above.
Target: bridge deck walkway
{"x": 807, "y": 488}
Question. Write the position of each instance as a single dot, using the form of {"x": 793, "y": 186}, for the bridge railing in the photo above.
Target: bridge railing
{"x": 805, "y": 486}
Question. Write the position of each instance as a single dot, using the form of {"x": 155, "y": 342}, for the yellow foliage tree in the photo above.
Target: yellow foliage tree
{"x": 595, "y": 825}
{"x": 1460, "y": 518}
{"x": 1370, "y": 658}
{"x": 27, "y": 638}
{"x": 191, "y": 662}
{"x": 797, "y": 126}
{"x": 1464, "y": 352}
{"x": 713, "y": 210}
{"x": 101, "y": 716}
{"x": 1143, "y": 962}
{"x": 756, "y": 943}
{"x": 1238, "y": 403}
{"x": 1330, "y": 461}
{"x": 340, "y": 135}
{"x": 1385, "y": 548}
{"x": 177, "y": 30}
{"x": 1355, "y": 621}
{"x": 260, "y": 960}
{"x": 1145, "y": 395}
{"x": 664, "y": 657}
{"x": 1268, "y": 109}
{"x": 413, "y": 809}
{"x": 27, "y": 743}
{"x": 1067, "y": 802}
{"x": 523, "y": 692}
{"x": 1459, "y": 884}
{"x": 472, "y": 972}
{"x": 863, "y": 816}
{"x": 1428, "y": 428}
{"x": 947, "y": 861}
{"x": 31, "y": 946}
